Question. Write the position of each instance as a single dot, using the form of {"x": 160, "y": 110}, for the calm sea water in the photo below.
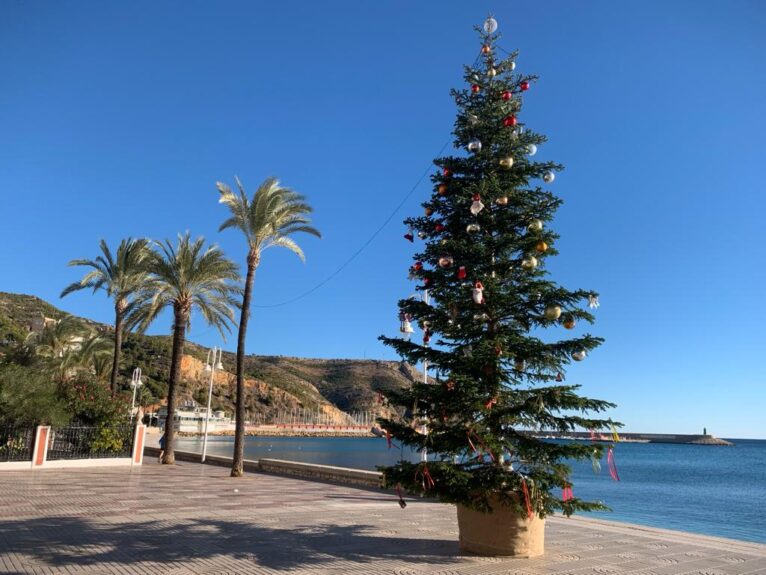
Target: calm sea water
{"x": 703, "y": 489}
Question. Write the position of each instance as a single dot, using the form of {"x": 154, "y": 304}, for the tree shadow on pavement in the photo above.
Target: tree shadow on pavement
{"x": 76, "y": 542}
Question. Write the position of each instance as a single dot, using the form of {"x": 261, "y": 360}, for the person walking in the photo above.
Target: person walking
{"x": 162, "y": 448}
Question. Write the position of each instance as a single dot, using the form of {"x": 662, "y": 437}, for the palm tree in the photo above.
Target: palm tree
{"x": 69, "y": 346}
{"x": 183, "y": 278}
{"x": 273, "y": 214}
{"x": 120, "y": 277}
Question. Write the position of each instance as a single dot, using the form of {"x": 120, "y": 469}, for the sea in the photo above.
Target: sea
{"x": 713, "y": 490}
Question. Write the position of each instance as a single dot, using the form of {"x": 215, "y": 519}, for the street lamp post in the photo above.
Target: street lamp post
{"x": 135, "y": 383}
{"x": 211, "y": 367}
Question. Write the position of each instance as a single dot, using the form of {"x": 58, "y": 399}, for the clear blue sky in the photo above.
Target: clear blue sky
{"x": 117, "y": 118}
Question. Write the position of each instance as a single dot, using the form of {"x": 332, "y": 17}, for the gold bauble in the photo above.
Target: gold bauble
{"x": 541, "y": 247}
{"x": 442, "y": 189}
{"x": 491, "y": 72}
{"x": 506, "y": 163}
{"x": 552, "y": 312}
{"x": 502, "y": 201}
{"x": 519, "y": 365}
{"x": 429, "y": 211}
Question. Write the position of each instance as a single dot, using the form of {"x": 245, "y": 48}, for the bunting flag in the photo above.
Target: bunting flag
{"x": 615, "y": 436}
{"x": 612, "y": 466}
{"x": 566, "y": 494}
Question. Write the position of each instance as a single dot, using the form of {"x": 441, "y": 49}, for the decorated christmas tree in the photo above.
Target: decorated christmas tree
{"x": 494, "y": 324}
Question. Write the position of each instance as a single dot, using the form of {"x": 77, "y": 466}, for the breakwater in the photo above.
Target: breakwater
{"x": 641, "y": 437}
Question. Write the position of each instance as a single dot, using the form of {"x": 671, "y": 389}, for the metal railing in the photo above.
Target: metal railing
{"x": 90, "y": 442}
{"x": 16, "y": 443}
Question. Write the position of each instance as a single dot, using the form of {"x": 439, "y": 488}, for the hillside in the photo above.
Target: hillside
{"x": 275, "y": 383}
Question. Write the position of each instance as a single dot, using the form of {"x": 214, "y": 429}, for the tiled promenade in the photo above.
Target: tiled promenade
{"x": 189, "y": 519}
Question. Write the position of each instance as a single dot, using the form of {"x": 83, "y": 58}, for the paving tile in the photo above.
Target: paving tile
{"x": 189, "y": 520}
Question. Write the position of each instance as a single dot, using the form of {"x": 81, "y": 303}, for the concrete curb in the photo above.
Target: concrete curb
{"x": 309, "y": 471}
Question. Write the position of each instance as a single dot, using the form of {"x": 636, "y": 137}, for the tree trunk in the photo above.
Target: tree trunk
{"x": 179, "y": 337}
{"x": 118, "y": 313}
{"x": 237, "y": 468}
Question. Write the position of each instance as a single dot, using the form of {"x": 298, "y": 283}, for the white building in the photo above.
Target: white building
{"x": 190, "y": 418}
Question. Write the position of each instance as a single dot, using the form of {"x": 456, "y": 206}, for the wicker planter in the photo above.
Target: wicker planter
{"x": 502, "y": 532}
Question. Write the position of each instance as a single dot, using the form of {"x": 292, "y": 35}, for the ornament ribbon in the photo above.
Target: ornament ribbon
{"x": 612, "y": 466}
{"x": 425, "y": 478}
{"x": 482, "y": 449}
{"x": 527, "y": 502}
{"x": 566, "y": 494}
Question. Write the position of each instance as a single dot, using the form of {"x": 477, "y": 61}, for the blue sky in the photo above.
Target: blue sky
{"x": 116, "y": 119}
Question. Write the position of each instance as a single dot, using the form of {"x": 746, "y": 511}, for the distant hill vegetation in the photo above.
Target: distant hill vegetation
{"x": 276, "y": 383}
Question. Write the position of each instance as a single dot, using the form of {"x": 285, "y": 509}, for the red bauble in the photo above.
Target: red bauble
{"x": 510, "y": 121}
{"x": 418, "y": 266}
{"x": 507, "y": 95}
{"x": 427, "y": 282}
{"x": 447, "y": 172}
{"x": 524, "y": 85}
{"x": 439, "y": 228}
{"x": 409, "y": 237}
{"x": 475, "y": 88}
{"x": 476, "y": 197}
{"x": 461, "y": 273}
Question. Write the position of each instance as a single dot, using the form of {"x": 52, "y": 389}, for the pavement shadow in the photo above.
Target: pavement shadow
{"x": 75, "y": 542}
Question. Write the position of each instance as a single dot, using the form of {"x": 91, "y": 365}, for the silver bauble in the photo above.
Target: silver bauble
{"x": 548, "y": 177}
{"x": 531, "y": 150}
{"x": 535, "y": 226}
{"x": 490, "y": 25}
{"x": 473, "y": 228}
{"x": 475, "y": 146}
{"x": 422, "y": 235}
{"x": 529, "y": 263}
{"x": 473, "y": 119}
{"x": 512, "y": 66}
{"x": 579, "y": 355}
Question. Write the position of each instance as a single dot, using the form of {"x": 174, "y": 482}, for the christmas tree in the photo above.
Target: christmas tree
{"x": 489, "y": 306}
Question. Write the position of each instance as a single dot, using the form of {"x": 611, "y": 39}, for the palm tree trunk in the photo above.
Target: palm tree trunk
{"x": 237, "y": 468}
{"x": 117, "y": 348}
{"x": 179, "y": 338}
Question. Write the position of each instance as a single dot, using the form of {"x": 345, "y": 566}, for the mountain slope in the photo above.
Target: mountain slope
{"x": 276, "y": 383}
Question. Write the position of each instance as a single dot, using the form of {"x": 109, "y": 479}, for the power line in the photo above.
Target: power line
{"x": 365, "y": 244}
